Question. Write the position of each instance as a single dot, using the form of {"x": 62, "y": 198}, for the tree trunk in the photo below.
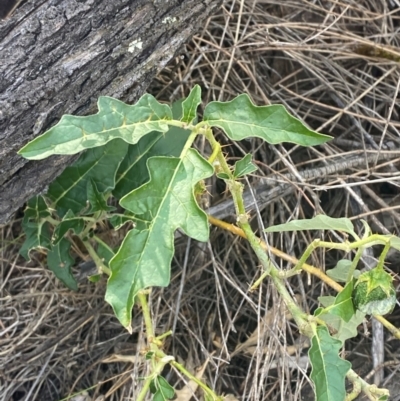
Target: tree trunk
{"x": 58, "y": 56}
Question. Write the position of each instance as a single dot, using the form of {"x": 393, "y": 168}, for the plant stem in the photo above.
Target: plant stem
{"x": 168, "y": 333}
{"x": 96, "y": 258}
{"x": 145, "y": 389}
{"x": 52, "y": 221}
{"x": 354, "y": 264}
{"x": 162, "y": 358}
{"x": 346, "y": 246}
{"x": 189, "y": 142}
{"x": 214, "y": 154}
{"x": 216, "y": 147}
{"x": 382, "y": 256}
{"x": 205, "y": 388}
{"x": 299, "y": 316}
{"x": 142, "y": 299}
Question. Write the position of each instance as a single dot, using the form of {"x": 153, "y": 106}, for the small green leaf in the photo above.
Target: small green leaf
{"x": 60, "y": 262}
{"x": 328, "y": 369}
{"x": 190, "y": 105}
{"x": 341, "y": 271}
{"x": 320, "y": 222}
{"x": 161, "y": 389}
{"x": 96, "y": 199}
{"x": 244, "y": 167}
{"x": 343, "y": 305}
{"x": 166, "y": 202}
{"x": 68, "y": 223}
{"x": 241, "y": 119}
{"x": 115, "y": 119}
{"x": 69, "y": 190}
{"x": 166, "y": 389}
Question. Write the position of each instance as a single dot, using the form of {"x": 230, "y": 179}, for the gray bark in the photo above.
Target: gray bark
{"x": 58, "y": 56}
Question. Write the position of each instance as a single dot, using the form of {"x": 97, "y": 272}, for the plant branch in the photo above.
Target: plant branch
{"x": 306, "y": 267}
{"x": 162, "y": 359}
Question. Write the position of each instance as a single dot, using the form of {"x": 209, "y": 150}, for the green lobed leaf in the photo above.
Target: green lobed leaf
{"x": 320, "y": 222}
{"x": 244, "y": 167}
{"x": 343, "y": 330}
{"x": 36, "y": 228}
{"x": 166, "y": 202}
{"x": 133, "y": 170}
{"x": 340, "y": 272}
{"x": 115, "y": 119}
{"x": 69, "y": 223}
{"x": 328, "y": 369}
{"x": 60, "y": 262}
{"x": 241, "y": 119}
{"x": 190, "y": 105}
{"x": 69, "y": 190}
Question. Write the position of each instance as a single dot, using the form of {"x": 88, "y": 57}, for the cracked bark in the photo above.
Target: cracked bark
{"x": 58, "y": 56}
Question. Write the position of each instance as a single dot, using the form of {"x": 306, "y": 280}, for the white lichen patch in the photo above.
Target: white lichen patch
{"x": 169, "y": 20}
{"x": 135, "y": 44}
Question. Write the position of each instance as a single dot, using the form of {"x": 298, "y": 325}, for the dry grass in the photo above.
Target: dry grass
{"x": 333, "y": 64}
